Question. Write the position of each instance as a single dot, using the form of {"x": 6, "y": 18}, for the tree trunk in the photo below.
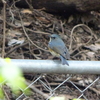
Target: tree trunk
{"x": 62, "y": 6}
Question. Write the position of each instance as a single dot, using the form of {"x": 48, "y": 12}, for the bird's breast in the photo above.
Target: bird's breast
{"x": 54, "y": 53}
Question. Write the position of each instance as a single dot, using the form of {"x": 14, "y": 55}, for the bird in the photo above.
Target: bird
{"x": 58, "y": 48}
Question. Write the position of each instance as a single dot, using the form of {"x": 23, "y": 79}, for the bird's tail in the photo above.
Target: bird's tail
{"x": 64, "y": 61}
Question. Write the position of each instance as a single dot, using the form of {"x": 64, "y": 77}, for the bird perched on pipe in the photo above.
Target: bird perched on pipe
{"x": 57, "y": 48}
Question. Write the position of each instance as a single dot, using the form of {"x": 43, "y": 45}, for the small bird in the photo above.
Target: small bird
{"x": 57, "y": 48}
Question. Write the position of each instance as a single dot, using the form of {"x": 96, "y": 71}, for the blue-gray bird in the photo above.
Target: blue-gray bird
{"x": 57, "y": 48}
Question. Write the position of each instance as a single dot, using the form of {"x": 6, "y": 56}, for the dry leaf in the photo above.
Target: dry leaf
{"x": 43, "y": 20}
{"x": 15, "y": 41}
{"x": 27, "y": 23}
{"x": 90, "y": 54}
{"x": 18, "y": 23}
{"x": 70, "y": 19}
{"x": 26, "y": 11}
{"x": 87, "y": 18}
{"x": 94, "y": 47}
{"x": 14, "y": 33}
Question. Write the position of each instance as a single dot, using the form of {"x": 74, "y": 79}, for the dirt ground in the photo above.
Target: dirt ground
{"x": 26, "y": 37}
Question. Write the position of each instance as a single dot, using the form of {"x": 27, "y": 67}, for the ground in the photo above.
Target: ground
{"x": 27, "y": 36}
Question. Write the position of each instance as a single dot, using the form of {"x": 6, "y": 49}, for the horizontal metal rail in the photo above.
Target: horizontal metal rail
{"x": 54, "y": 66}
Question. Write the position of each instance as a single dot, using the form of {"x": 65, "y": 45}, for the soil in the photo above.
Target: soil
{"x": 27, "y": 36}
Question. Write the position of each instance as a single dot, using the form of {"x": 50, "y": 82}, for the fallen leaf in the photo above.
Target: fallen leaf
{"x": 18, "y": 23}
{"x": 14, "y": 33}
{"x": 43, "y": 20}
{"x": 94, "y": 47}
{"x": 70, "y": 19}
{"x": 90, "y": 54}
{"x": 15, "y": 41}
{"x": 26, "y": 11}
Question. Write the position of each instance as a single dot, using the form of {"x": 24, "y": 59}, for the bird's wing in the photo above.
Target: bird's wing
{"x": 60, "y": 49}
{"x": 63, "y": 51}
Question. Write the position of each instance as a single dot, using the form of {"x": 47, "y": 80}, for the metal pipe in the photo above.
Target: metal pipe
{"x": 54, "y": 66}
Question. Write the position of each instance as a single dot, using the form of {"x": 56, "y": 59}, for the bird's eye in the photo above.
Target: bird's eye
{"x": 65, "y": 52}
{"x": 53, "y": 37}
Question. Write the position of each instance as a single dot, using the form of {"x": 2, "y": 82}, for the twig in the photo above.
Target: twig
{"x": 3, "y": 1}
{"x": 47, "y": 82}
{"x": 4, "y": 27}
{"x": 33, "y": 53}
{"x": 61, "y": 23}
{"x": 71, "y": 40}
{"x": 56, "y": 83}
{"x": 39, "y": 32}
{"x": 6, "y": 95}
{"x": 28, "y": 36}
{"x": 37, "y": 90}
{"x": 15, "y": 49}
{"x": 91, "y": 88}
{"x": 30, "y": 6}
